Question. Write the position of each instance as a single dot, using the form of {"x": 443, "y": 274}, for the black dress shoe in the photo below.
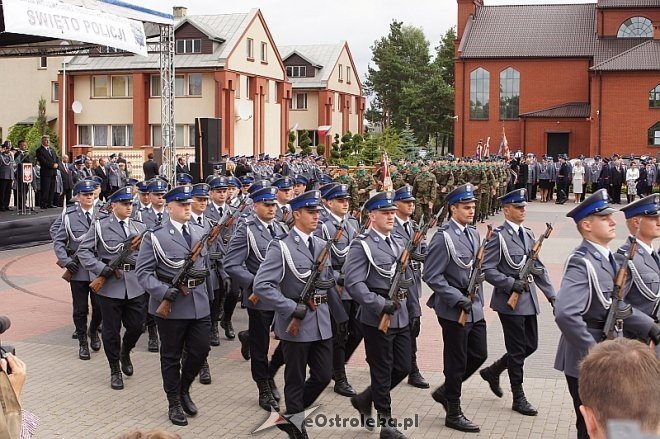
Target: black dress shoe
{"x": 229, "y": 330}
{"x": 273, "y": 389}
{"x": 342, "y": 386}
{"x": 438, "y": 395}
{"x": 187, "y": 404}
{"x": 244, "y": 338}
{"x": 416, "y": 379}
{"x": 83, "y": 348}
{"x": 116, "y": 379}
{"x": 205, "y": 374}
{"x": 292, "y": 431}
{"x": 176, "y": 415}
{"x": 362, "y": 403}
{"x": 456, "y": 419}
{"x": 493, "y": 381}
{"x": 520, "y": 403}
{"x": 126, "y": 364}
{"x": 94, "y": 340}
{"x": 74, "y": 335}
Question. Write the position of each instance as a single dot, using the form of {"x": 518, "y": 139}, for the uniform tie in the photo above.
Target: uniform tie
{"x": 159, "y": 216}
{"x": 406, "y": 226}
{"x": 220, "y": 211}
{"x": 199, "y": 221}
{"x": 89, "y": 218}
{"x": 521, "y": 234}
{"x": 271, "y": 229}
{"x": 310, "y": 244}
{"x": 467, "y": 235}
{"x": 613, "y": 263}
{"x": 186, "y": 235}
{"x": 655, "y": 256}
{"x": 122, "y": 224}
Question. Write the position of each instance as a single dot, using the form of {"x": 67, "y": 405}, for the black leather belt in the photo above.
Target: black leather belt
{"x": 121, "y": 267}
{"x": 337, "y": 267}
{"x": 318, "y": 299}
{"x": 190, "y": 283}
{"x": 595, "y": 324}
{"x": 401, "y": 295}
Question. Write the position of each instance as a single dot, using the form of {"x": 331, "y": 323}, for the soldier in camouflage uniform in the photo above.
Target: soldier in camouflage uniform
{"x": 445, "y": 179}
{"x": 398, "y": 179}
{"x": 345, "y": 178}
{"x": 425, "y": 190}
{"x": 364, "y": 182}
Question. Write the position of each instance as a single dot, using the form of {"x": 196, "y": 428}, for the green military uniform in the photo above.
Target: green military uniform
{"x": 445, "y": 179}
{"x": 352, "y": 190}
{"x": 364, "y": 182}
{"x": 425, "y": 191}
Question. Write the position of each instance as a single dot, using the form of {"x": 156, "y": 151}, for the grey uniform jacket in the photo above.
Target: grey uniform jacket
{"x": 446, "y": 278}
{"x": 326, "y": 230}
{"x": 580, "y": 300}
{"x": 499, "y": 272}
{"x": 643, "y": 282}
{"x": 150, "y": 218}
{"x": 102, "y": 242}
{"x": 276, "y": 284}
{"x": 245, "y": 254}
{"x": 368, "y": 280}
{"x": 191, "y": 306}
{"x": 544, "y": 171}
{"x": 212, "y": 258}
{"x": 67, "y": 232}
{"x": 415, "y": 266}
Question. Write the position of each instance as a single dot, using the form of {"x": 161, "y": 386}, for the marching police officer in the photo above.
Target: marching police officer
{"x": 506, "y": 254}
{"x": 643, "y": 281}
{"x": 284, "y": 187}
{"x": 162, "y": 253}
{"x": 120, "y": 297}
{"x": 405, "y": 227}
{"x": 141, "y": 201}
{"x": 279, "y": 282}
{"x": 370, "y": 266}
{"x": 346, "y": 336}
{"x": 67, "y": 235}
{"x": 245, "y": 253}
{"x": 585, "y": 294}
{"x": 447, "y": 271}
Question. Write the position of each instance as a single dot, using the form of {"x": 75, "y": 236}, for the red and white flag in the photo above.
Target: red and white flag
{"x": 385, "y": 173}
{"x": 487, "y": 148}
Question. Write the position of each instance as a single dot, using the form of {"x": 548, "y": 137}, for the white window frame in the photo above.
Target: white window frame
{"x": 348, "y": 74}
{"x": 54, "y": 91}
{"x": 98, "y": 130}
{"x": 185, "y": 85}
{"x": 43, "y": 62}
{"x": 107, "y": 86}
{"x": 128, "y": 86}
{"x": 249, "y": 48}
{"x": 341, "y": 73}
{"x": 127, "y": 133}
{"x": 264, "y": 52}
{"x": 188, "y": 45}
{"x": 294, "y": 104}
{"x": 296, "y": 71}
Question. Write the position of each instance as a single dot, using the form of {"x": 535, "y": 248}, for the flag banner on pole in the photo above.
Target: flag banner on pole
{"x": 385, "y": 173}
{"x": 487, "y": 148}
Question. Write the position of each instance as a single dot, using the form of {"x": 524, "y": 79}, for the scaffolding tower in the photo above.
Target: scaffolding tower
{"x": 167, "y": 76}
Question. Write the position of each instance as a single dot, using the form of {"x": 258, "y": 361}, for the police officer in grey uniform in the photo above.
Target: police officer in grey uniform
{"x": 447, "y": 270}
{"x": 284, "y": 187}
{"x": 120, "y": 298}
{"x": 246, "y": 252}
{"x": 505, "y": 255}
{"x": 405, "y": 227}
{"x": 278, "y": 282}
{"x": 643, "y": 281}
{"x": 584, "y": 297}
{"x": 141, "y": 201}
{"x": 162, "y": 252}
{"x": 346, "y": 336}
{"x": 68, "y": 232}
{"x": 370, "y": 266}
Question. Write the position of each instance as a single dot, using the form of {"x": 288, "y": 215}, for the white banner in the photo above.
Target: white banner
{"x": 51, "y": 18}
{"x": 27, "y": 172}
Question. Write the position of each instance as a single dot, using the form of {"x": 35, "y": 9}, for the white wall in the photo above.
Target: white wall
{"x": 272, "y": 129}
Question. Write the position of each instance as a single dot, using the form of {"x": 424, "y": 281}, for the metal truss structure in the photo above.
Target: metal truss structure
{"x": 167, "y": 77}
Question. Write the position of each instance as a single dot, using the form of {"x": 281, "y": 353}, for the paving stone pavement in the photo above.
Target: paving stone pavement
{"x": 73, "y": 398}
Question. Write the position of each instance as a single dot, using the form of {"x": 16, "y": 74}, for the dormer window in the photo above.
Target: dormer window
{"x": 296, "y": 71}
{"x": 189, "y": 46}
{"x": 636, "y": 27}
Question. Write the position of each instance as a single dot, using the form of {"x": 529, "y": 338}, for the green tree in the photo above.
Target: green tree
{"x": 346, "y": 144}
{"x": 305, "y": 143}
{"x": 291, "y": 144}
{"x": 40, "y": 127}
{"x": 444, "y": 57}
{"x": 335, "y": 154}
{"x": 320, "y": 149}
{"x": 408, "y": 142}
{"x": 17, "y": 133}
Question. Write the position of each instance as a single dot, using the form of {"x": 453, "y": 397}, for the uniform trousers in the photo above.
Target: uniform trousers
{"x": 5, "y": 193}
{"x": 259, "y": 323}
{"x": 130, "y": 313}
{"x": 574, "y": 390}
{"x": 299, "y": 392}
{"x": 464, "y": 352}
{"x": 521, "y": 340}
{"x": 388, "y": 356}
{"x": 81, "y": 294}
{"x": 229, "y": 305}
{"x": 343, "y": 350}
{"x": 174, "y": 335}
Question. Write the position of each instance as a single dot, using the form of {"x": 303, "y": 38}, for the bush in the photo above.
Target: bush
{"x": 320, "y": 149}
{"x": 291, "y": 145}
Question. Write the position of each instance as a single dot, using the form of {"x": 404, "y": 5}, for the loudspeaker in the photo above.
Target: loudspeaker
{"x": 208, "y": 143}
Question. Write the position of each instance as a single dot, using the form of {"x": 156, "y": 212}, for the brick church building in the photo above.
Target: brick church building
{"x": 562, "y": 78}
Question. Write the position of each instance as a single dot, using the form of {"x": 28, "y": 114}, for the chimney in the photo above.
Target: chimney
{"x": 179, "y": 11}
{"x": 466, "y": 8}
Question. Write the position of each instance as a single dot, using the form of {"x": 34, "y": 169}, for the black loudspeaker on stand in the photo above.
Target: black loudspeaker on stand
{"x": 208, "y": 146}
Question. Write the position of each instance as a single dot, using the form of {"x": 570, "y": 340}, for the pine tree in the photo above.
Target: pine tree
{"x": 336, "y": 152}
{"x": 305, "y": 143}
{"x": 408, "y": 142}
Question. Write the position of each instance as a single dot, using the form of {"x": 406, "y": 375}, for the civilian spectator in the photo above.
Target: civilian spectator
{"x": 20, "y": 188}
{"x": 618, "y": 177}
{"x": 632, "y": 175}
{"x": 101, "y": 172}
{"x": 66, "y": 172}
{"x": 47, "y": 158}
{"x": 150, "y": 167}
{"x": 6, "y": 175}
{"x": 181, "y": 165}
{"x": 578, "y": 181}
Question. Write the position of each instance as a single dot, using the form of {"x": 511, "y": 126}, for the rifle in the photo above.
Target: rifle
{"x": 226, "y": 222}
{"x": 67, "y": 275}
{"x": 103, "y": 207}
{"x": 313, "y": 281}
{"x": 179, "y": 279}
{"x": 477, "y": 276}
{"x": 398, "y": 281}
{"x": 529, "y": 269}
{"x": 616, "y": 316}
{"x": 130, "y": 245}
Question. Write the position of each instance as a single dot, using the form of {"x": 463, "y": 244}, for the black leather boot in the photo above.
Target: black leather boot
{"x": 125, "y": 360}
{"x": 416, "y": 379}
{"x": 362, "y": 403}
{"x": 438, "y": 395}
{"x": 187, "y": 403}
{"x": 229, "y": 329}
{"x": 214, "y": 339}
{"x": 274, "y": 390}
{"x": 175, "y": 411}
{"x": 456, "y": 419}
{"x": 342, "y": 386}
{"x": 266, "y": 399}
{"x": 205, "y": 373}
{"x": 94, "y": 340}
{"x": 492, "y": 373}
{"x": 152, "y": 345}
{"x": 116, "y": 379}
{"x": 83, "y": 350}
{"x": 244, "y": 338}
{"x": 388, "y": 428}
{"x": 520, "y": 403}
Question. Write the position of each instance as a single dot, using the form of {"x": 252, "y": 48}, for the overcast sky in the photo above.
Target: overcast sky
{"x": 360, "y": 22}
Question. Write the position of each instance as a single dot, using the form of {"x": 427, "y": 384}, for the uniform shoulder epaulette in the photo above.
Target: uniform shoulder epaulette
{"x": 443, "y": 227}
{"x": 70, "y": 208}
{"x": 158, "y": 227}
{"x": 282, "y": 236}
{"x": 581, "y": 251}
{"x": 471, "y": 226}
{"x": 362, "y": 236}
{"x": 498, "y": 228}
{"x": 622, "y": 251}
{"x": 245, "y": 215}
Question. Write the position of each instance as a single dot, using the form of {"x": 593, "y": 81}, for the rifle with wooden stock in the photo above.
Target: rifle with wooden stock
{"x": 398, "y": 280}
{"x": 477, "y": 276}
{"x": 225, "y": 223}
{"x": 130, "y": 245}
{"x": 615, "y": 314}
{"x": 529, "y": 269}
{"x": 179, "y": 279}
{"x": 313, "y": 281}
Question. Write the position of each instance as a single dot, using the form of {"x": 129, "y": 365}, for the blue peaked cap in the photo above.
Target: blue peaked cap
{"x": 597, "y": 203}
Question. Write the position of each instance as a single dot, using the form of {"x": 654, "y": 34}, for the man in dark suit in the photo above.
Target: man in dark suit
{"x": 102, "y": 173}
{"x": 47, "y": 158}
{"x": 67, "y": 180}
{"x": 281, "y": 167}
{"x": 182, "y": 167}
{"x": 150, "y": 167}
{"x": 618, "y": 177}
